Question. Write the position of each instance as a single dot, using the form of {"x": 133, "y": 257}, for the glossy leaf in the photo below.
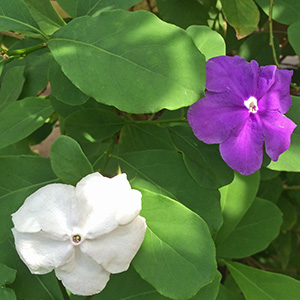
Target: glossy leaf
{"x": 22, "y": 118}
{"x": 293, "y": 34}
{"x": 45, "y": 15}
{"x": 236, "y": 198}
{"x": 68, "y": 160}
{"x": 255, "y": 231}
{"x": 11, "y": 86}
{"x": 242, "y": 15}
{"x": 284, "y": 11}
{"x": 129, "y": 65}
{"x": 177, "y": 256}
{"x": 261, "y": 285}
{"x": 209, "y": 42}
{"x": 20, "y": 176}
{"x": 166, "y": 170}
{"x": 92, "y": 124}
{"x": 290, "y": 159}
{"x": 77, "y": 8}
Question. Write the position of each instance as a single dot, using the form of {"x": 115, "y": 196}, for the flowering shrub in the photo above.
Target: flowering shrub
{"x": 149, "y": 149}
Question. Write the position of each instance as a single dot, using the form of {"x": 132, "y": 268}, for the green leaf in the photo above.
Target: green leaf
{"x": 68, "y": 160}
{"x": 284, "y": 11}
{"x": 45, "y": 15}
{"x": 11, "y": 86}
{"x": 21, "y": 118}
{"x": 293, "y": 35}
{"x": 243, "y": 15}
{"x": 226, "y": 294}
{"x": 18, "y": 148}
{"x": 261, "y": 285}
{"x": 92, "y": 124}
{"x": 178, "y": 255}
{"x": 76, "y": 8}
{"x": 270, "y": 189}
{"x": 236, "y": 198}
{"x": 62, "y": 88}
{"x": 27, "y": 285}
{"x": 290, "y": 159}
{"x": 183, "y": 13}
{"x": 166, "y": 170}
{"x": 7, "y": 275}
{"x": 209, "y": 42}
{"x": 138, "y": 58}
{"x": 15, "y": 16}
{"x": 255, "y": 231}
{"x": 20, "y": 177}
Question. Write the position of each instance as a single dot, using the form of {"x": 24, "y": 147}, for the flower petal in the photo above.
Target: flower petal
{"x": 214, "y": 117}
{"x": 115, "y": 250}
{"x": 243, "y": 150}
{"x": 232, "y": 73}
{"x": 104, "y": 203}
{"x": 277, "y": 130}
{"x": 83, "y": 276}
{"x": 277, "y": 97}
{"x": 48, "y": 209}
{"x": 40, "y": 252}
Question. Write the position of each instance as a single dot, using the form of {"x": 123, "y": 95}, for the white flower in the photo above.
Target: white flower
{"x": 84, "y": 232}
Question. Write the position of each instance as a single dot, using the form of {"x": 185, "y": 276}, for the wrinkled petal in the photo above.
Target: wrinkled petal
{"x": 115, "y": 250}
{"x": 83, "y": 276}
{"x": 243, "y": 150}
{"x": 104, "y": 203}
{"x": 48, "y": 209}
{"x": 214, "y": 117}
{"x": 277, "y": 130}
{"x": 234, "y": 74}
{"x": 277, "y": 97}
{"x": 40, "y": 252}
{"x": 266, "y": 79}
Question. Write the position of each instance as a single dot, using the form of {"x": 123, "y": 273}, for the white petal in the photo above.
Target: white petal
{"x": 115, "y": 250}
{"x": 48, "y": 209}
{"x": 104, "y": 203}
{"x": 40, "y": 253}
{"x": 83, "y": 276}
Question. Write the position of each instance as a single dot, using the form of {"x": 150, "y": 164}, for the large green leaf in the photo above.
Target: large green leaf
{"x": 256, "y": 230}
{"x": 183, "y": 13}
{"x": 131, "y": 60}
{"x": 19, "y": 177}
{"x": 11, "y": 86}
{"x": 68, "y": 160}
{"x": 284, "y": 11}
{"x": 236, "y": 198}
{"x": 178, "y": 254}
{"x": 92, "y": 124}
{"x": 261, "y": 285}
{"x": 243, "y": 15}
{"x": 226, "y": 294}
{"x": 78, "y": 8}
{"x": 7, "y": 275}
{"x": 21, "y": 118}
{"x": 26, "y": 285}
{"x": 293, "y": 34}
{"x": 290, "y": 159}
{"x": 15, "y": 15}
{"x": 167, "y": 171}
{"x": 45, "y": 15}
{"x": 208, "y": 41}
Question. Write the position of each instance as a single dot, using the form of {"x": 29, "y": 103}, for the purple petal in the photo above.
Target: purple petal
{"x": 277, "y": 130}
{"x": 243, "y": 150}
{"x": 214, "y": 117}
{"x": 234, "y": 74}
{"x": 277, "y": 97}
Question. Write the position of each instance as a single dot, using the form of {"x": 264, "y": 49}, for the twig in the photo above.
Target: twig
{"x": 271, "y": 42}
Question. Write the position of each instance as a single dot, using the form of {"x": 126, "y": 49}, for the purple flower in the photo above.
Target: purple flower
{"x": 243, "y": 107}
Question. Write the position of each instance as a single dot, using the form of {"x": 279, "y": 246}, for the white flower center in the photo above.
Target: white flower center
{"x": 76, "y": 239}
{"x": 251, "y": 104}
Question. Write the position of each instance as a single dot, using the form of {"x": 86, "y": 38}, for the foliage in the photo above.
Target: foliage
{"x": 117, "y": 77}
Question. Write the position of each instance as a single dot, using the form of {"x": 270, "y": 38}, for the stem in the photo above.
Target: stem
{"x": 271, "y": 42}
{"x": 63, "y": 291}
{"x": 291, "y": 187}
{"x": 88, "y": 298}
{"x": 25, "y": 51}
